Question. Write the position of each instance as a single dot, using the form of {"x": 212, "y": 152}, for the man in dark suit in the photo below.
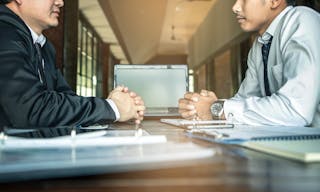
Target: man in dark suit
{"x": 33, "y": 92}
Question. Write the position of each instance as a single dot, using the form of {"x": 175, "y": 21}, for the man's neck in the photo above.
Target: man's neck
{"x": 273, "y": 14}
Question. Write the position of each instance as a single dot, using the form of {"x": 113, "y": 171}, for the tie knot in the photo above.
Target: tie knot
{"x": 265, "y": 49}
{"x": 38, "y": 46}
{"x": 268, "y": 44}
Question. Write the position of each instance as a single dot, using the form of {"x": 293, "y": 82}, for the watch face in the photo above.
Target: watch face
{"x": 216, "y": 109}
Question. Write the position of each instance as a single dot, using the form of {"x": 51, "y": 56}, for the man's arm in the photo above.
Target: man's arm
{"x": 26, "y": 102}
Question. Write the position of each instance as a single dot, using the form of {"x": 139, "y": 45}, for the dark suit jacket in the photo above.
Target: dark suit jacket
{"x": 24, "y": 100}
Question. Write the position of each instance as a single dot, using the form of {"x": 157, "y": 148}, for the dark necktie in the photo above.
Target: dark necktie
{"x": 265, "y": 55}
{"x": 40, "y": 64}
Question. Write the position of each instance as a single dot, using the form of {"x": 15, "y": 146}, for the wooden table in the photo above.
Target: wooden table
{"x": 232, "y": 168}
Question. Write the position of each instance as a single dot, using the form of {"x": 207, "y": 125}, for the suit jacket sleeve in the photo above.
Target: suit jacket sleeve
{"x": 26, "y": 102}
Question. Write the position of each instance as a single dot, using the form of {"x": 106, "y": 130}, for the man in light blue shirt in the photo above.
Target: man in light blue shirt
{"x": 282, "y": 83}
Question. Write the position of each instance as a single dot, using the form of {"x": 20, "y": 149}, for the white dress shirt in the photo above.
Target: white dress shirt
{"x": 293, "y": 73}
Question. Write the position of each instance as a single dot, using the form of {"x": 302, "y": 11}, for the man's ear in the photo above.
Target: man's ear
{"x": 19, "y": 2}
{"x": 276, "y": 3}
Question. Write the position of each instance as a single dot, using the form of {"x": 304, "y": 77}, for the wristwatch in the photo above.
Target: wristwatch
{"x": 217, "y": 109}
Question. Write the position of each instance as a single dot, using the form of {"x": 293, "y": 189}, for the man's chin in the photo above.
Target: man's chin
{"x": 246, "y": 28}
{"x": 53, "y": 24}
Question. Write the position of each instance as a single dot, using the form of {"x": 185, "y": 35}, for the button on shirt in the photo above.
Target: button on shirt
{"x": 293, "y": 73}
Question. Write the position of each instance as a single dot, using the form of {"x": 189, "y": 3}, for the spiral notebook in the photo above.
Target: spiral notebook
{"x": 305, "y": 148}
{"x": 299, "y": 143}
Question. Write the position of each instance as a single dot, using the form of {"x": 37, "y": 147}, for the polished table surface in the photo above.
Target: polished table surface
{"x": 232, "y": 168}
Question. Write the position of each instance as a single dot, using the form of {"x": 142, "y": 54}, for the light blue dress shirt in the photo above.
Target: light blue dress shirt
{"x": 293, "y": 73}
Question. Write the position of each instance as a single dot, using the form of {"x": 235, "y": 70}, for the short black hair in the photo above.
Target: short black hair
{"x": 291, "y": 2}
{"x": 5, "y": 1}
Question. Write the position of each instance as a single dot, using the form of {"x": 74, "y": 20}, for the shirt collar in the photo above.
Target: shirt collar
{"x": 272, "y": 28}
{"x": 41, "y": 39}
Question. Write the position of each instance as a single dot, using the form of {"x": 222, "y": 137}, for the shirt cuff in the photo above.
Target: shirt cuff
{"x": 114, "y": 108}
{"x": 233, "y": 110}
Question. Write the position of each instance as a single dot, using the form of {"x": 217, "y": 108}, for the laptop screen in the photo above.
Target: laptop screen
{"x": 160, "y": 86}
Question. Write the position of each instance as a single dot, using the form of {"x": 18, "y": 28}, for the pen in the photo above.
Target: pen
{"x": 201, "y": 122}
{"x": 213, "y": 126}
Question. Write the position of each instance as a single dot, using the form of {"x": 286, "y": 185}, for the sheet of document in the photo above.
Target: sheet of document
{"x": 95, "y": 138}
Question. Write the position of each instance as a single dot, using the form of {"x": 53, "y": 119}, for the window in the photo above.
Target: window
{"x": 89, "y": 77}
{"x": 191, "y": 80}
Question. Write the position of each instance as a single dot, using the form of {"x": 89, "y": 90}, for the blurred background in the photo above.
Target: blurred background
{"x": 95, "y": 35}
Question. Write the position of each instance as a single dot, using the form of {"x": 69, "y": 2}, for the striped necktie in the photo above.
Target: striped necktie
{"x": 40, "y": 64}
{"x": 265, "y": 54}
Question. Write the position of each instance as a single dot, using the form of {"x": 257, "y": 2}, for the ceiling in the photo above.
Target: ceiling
{"x": 139, "y": 30}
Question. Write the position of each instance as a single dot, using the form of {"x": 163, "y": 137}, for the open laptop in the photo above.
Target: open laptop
{"x": 160, "y": 86}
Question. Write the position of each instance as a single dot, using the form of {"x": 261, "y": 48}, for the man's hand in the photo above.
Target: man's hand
{"x": 206, "y": 99}
{"x": 197, "y": 106}
{"x": 187, "y": 107}
{"x": 130, "y": 105}
{"x": 139, "y": 106}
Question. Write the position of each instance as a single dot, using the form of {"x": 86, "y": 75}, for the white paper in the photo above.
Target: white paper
{"x": 90, "y": 139}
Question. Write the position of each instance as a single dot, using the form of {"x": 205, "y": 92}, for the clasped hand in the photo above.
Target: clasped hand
{"x": 129, "y": 104}
{"x": 196, "y": 106}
